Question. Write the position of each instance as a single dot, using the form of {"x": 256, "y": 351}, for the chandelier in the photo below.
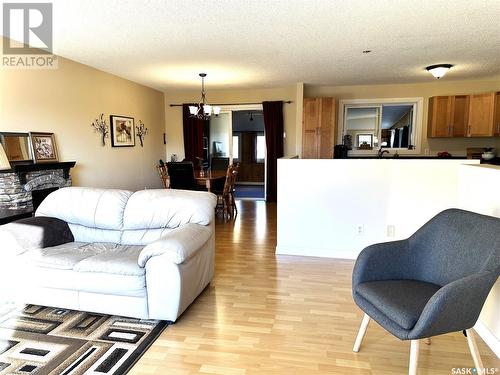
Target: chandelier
{"x": 203, "y": 110}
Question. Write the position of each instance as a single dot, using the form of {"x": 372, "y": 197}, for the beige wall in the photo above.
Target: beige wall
{"x": 173, "y": 115}
{"x": 65, "y": 101}
{"x": 456, "y": 146}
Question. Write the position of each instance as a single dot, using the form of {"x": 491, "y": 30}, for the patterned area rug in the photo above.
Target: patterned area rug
{"x": 45, "y": 340}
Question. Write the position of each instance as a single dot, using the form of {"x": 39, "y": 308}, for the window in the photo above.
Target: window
{"x": 236, "y": 147}
{"x": 382, "y": 123}
{"x": 260, "y": 148}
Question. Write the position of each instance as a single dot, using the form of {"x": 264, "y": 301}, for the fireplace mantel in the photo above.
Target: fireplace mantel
{"x": 23, "y": 169}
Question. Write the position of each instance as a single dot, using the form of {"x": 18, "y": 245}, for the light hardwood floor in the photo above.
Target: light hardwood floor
{"x": 267, "y": 314}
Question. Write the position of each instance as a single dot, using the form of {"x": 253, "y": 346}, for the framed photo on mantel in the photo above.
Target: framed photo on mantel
{"x": 122, "y": 131}
{"x": 43, "y": 146}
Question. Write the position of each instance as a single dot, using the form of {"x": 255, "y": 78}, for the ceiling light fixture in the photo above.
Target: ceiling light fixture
{"x": 438, "y": 70}
{"x": 203, "y": 110}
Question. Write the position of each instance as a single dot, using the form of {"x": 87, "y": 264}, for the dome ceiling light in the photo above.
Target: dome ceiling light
{"x": 438, "y": 70}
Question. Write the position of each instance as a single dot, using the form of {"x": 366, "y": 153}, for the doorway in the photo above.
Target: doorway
{"x": 249, "y": 149}
{"x": 238, "y": 134}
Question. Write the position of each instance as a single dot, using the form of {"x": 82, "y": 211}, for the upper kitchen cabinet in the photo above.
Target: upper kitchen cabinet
{"x": 476, "y": 115}
{"x": 496, "y": 122}
{"x": 439, "y": 124}
{"x": 448, "y": 116}
{"x": 481, "y": 115}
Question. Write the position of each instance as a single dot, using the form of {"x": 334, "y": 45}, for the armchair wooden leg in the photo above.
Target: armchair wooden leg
{"x": 474, "y": 351}
{"x": 427, "y": 341}
{"x": 414, "y": 346}
{"x": 361, "y": 333}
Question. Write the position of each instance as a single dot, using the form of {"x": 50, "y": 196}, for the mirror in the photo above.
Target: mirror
{"x": 17, "y": 146}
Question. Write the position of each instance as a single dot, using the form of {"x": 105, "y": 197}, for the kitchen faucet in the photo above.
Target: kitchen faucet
{"x": 381, "y": 152}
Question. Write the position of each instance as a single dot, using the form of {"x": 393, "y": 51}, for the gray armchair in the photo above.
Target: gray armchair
{"x": 432, "y": 283}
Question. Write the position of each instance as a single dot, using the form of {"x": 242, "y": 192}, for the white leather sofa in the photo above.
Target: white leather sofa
{"x": 146, "y": 255}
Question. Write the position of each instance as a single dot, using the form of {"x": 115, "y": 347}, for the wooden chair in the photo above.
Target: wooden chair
{"x": 163, "y": 172}
{"x": 225, "y": 200}
{"x": 236, "y": 170}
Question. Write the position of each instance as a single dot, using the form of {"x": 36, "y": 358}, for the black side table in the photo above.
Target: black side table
{"x": 7, "y": 216}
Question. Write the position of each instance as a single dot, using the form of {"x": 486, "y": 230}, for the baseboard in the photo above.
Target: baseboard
{"x": 321, "y": 253}
{"x": 488, "y": 337}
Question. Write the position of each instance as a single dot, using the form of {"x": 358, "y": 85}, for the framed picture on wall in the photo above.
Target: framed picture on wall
{"x": 122, "y": 131}
{"x": 43, "y": 147}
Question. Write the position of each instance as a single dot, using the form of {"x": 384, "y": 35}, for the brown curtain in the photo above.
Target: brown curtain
{"x": 273, "y": 123}
{"x": 193, "y": 135}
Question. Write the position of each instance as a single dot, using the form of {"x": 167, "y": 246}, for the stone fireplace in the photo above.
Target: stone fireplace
{"x": 26, "y": 185}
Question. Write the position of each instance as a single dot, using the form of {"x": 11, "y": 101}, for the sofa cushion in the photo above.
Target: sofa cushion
{"x": 89, "y": 207}
{"x": 88, "y": 257}
{"x": 64, "y": 256}
{"x": 402, "y": 301}
{"x": 168, "y": 208}
{"x": 117, "y": 260}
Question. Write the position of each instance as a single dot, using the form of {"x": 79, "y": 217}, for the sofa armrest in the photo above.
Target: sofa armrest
{"x": 382, "y": 261}
{"x": 34, "y": 233}
{"x": 454, "y": 307}
{"x": 177, "y": 245}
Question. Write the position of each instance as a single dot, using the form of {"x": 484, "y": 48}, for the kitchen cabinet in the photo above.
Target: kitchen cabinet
{"x": 496, "y": 121}
{"x": 481, "y": 115}
{"x": 319, "y": 128}
{"x": 448, "y": 116}
{"x": 476, "y": 115}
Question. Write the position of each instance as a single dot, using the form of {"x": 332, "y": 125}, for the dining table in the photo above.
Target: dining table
{"x": 207, "y": 178}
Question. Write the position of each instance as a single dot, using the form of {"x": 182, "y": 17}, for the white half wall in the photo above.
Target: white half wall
{"x": 336, "y": 207}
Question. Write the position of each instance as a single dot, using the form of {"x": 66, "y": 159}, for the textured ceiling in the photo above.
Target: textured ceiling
{"x": 245, "y": 43}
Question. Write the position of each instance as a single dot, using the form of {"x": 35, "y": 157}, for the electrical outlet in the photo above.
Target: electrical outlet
{"x": 391, "y": 230}
{"x": 360, "y": 230}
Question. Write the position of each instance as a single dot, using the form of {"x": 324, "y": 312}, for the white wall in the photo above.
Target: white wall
{"x": 321, "y": 203}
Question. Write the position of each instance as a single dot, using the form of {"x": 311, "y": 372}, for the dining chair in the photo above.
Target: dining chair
{"x": 432, "y": 283}
{"x": 225, "y": 198}
{"x": 236, "y": 170}
{"x": 181, "y": 175}
{"x": 162, "y": 171}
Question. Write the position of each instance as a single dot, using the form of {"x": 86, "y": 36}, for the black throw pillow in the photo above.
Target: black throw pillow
{"x": 39, "y": 232}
